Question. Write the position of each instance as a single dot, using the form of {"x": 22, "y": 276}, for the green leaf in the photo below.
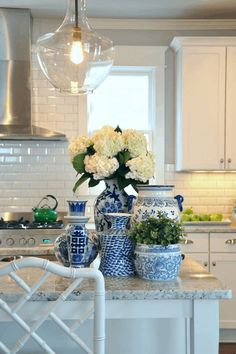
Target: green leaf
{"x": 123, "y": 157}
{"x": 78, "y": 163}
{"x": 91, "y": 150}
{"x": 81, "y": 180}
{"x": 118, "y": 130}
{"x": 93, "y": 182}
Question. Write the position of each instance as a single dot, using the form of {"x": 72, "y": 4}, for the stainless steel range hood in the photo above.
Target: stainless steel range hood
{"x": 15, "y": 79}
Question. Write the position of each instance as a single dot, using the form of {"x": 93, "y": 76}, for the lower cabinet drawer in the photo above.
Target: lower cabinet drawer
{"x": 223, "y": 242}
{"x": 195, "y": 242}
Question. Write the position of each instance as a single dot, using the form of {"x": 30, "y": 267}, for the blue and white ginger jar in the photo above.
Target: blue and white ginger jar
{"x": 111, "y": 200}
{"x": 156, "y": 198}
{"x": 117, "y": 248}
{"x": 74, "y": 247}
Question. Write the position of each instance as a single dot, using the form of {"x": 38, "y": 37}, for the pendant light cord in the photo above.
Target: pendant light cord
{"x": 76, "y": 14}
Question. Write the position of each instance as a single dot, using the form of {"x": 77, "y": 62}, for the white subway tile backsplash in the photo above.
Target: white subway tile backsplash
{"x": 205, "y": 192}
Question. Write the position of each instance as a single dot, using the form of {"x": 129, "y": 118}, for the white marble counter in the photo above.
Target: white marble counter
{"x": 193, "y": 283}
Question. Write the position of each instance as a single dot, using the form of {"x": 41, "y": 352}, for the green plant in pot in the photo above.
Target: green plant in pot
{"x": 157, "y": 250}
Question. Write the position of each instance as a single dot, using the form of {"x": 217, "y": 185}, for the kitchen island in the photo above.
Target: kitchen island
{"x": 180, "y": 317}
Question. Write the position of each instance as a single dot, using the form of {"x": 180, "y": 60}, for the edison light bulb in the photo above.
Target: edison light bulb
{"x": 77, "y": 54}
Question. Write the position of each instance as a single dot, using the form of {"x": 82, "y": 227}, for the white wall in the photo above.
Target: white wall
{"x": 29, "y": 170}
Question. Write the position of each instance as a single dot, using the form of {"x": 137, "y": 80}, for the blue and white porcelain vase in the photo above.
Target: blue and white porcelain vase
{"x": 117, "y": 248}
{"x": 156, "y": 198}
{"x": 111, "y": 200}
{"x": 156, "y": 262}
{"x": 74, "y": 247}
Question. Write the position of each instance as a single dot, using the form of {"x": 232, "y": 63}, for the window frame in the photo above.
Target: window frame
{"x": 132, "y": 57}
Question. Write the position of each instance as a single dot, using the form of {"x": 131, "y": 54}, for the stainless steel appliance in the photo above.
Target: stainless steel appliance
{"x": 21, "y": 236}
{"x": 15, "y": 73}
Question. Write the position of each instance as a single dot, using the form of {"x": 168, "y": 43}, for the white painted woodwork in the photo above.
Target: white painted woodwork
{"x": 96, "y": 310}
{"x": 195, "y": 242}
{"x": 216, "y": 252}
{"x": 223, "y": 266}
{"x": 205, "y": 103}
{"x": 230, "y": 142}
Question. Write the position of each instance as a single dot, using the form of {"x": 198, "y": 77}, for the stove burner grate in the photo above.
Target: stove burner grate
{"x": 26, "y": 224}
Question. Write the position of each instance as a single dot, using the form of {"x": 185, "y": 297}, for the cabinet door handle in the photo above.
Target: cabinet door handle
{"x": 231, "y": 241}
{"x": 187, "y": 242}
{"x": 205, "y": 264}
{"x": 222, "y": 160}
{"x": 213, "y": 264}
{"x": 229, "y": 160}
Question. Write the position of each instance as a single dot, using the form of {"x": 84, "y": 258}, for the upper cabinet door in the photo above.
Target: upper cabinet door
{"x": 200, "y": 108}
{"x": 230, "y": 155}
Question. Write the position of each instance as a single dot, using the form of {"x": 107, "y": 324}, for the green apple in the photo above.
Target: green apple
{"x": 186, "y": 217}
{"x": 188, "y": 211}
{"x": 216, "y": 217}
{"x": 205, "y": 217}
{"x": 195, "y": 217}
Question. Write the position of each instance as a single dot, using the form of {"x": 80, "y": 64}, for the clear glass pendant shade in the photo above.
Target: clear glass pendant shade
{"x": 75, "y": 59}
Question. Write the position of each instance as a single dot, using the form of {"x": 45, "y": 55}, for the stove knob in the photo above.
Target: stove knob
{"x": 10, "y": 242}
{"x": 31, "y": 241}
{"x": 22, "y": 241}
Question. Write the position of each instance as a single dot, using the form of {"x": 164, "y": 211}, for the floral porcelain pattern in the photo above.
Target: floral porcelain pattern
{"x": 155, "y": 262}
{"x": 152, "y": 199}
{"x": 117, "y": 249}
{"x": 111, "y": 200}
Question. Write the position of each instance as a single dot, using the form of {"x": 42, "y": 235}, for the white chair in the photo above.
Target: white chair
{"x": 46, "y": 273}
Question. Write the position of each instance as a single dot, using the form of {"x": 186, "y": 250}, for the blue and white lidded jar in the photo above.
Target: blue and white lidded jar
{"x": 156, "y": 198}
{"x": 117, "y": 248}
{"x": 76, "y": 207}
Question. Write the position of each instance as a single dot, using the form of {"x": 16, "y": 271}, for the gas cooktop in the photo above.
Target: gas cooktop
{"x": 23, "y": 223}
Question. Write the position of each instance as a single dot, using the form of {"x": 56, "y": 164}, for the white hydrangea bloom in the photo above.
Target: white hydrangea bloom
{"x": 135, "y": 142}
{"x": 141, "y": 167}
{"x": 100, "y": 166}
{"x": 79, "y": 145}
{"x": 108, "y": 142}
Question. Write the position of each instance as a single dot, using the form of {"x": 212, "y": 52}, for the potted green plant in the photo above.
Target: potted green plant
{"x": 157, "y": 250}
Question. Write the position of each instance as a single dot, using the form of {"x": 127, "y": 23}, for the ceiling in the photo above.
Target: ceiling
{"x": 171, "y": 9}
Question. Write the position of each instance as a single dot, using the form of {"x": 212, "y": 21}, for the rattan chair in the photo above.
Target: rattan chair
{"x": 21, "y": 287}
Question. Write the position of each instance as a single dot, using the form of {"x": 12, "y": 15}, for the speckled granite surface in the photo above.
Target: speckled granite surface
{"x": 211, "y": 228}
{"x": 193, "y": 283}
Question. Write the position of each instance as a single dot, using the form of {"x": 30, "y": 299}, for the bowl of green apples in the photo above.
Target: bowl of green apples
{"x": 189, "y": 217}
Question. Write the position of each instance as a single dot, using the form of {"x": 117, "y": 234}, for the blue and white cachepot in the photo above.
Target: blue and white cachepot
{"x": 74, "y": 247}
{"x": 156, "y": 262}
{"x": 156, "y": 198}
{"x": 111, "y": 200}
{"x": 117, "y": 248}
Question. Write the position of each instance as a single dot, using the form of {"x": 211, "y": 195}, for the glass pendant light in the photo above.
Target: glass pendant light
{"x": 75, "y": 59}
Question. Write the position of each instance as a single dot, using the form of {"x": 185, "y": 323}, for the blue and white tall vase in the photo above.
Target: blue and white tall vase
{"x": 156, "y": 198}
{"x": 111, "y": 200}
{"x": 117, "y": 248}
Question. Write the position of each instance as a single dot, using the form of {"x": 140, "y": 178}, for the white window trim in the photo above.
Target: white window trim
{"x": 154, "y": 58}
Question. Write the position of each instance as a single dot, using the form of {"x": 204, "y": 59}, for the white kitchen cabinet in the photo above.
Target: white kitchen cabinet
{"x": 216, "y": 252}
{"x": 205, "y": 103}
{"x": 196, "y": 246}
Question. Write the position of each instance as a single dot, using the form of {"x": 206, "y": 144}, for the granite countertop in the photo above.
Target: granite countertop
{"x": 193, "y": 283}
{"x": 213, "y": 228}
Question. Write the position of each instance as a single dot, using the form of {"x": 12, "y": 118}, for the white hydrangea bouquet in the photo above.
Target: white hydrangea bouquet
{"x": 112, "y": 154}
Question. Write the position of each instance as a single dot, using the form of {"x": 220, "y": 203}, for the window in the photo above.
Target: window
{"x": 125, "y": 98}
{"x": 136, "y": 89}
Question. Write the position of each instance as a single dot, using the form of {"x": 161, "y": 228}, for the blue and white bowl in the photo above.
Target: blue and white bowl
{"x": 156, "y": 262}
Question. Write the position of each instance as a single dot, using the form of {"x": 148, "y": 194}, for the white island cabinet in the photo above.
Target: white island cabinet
{"x": 151, "y": 317}
{"x": 205, "y": 103}
{"x": 215, "y": 249}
